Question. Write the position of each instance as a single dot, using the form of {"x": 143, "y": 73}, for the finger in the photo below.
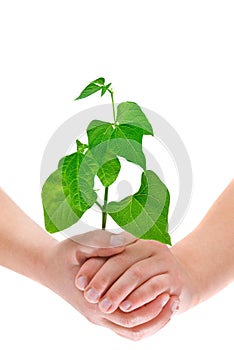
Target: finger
{"x": 135, "y": 276}
{"x": 147, "y": 328}
{"x": 113, "y": 268}
{"x": 145, "y": 293}
{"x": 140, "y": 316}
{"x": 87, "y": 271}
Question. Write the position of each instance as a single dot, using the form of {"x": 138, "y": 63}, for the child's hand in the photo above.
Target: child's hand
{"x": 63, "y": 262}
{"x": 146, "y": 271}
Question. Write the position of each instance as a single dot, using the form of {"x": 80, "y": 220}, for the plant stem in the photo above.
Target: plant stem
{"x": 104, "y": 213}
{"x": 98, "y": 204}
{"x": 113, "y": 103}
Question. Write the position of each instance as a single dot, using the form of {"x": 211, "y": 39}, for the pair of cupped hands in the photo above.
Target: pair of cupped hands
{"x": 129, "y": 285}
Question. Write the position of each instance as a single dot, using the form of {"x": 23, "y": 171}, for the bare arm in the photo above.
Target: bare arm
{"x": 207, "y": 254}
{"x": 24, "y": 246}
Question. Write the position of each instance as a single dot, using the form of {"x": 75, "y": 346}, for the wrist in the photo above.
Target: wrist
{"x": 58, "y": 258}
{"x": 191, "y": 291}
{"x": 42, "y": 254}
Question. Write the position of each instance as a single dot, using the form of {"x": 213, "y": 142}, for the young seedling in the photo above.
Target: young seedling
{"x": 69, "y": 191}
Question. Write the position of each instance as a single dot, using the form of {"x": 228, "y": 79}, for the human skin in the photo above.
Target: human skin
{"x": 194, "y": 269}
{"x": 27, "y": 249}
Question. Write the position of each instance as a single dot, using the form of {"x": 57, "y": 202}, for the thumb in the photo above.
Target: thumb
{"x": 99, "y": 243}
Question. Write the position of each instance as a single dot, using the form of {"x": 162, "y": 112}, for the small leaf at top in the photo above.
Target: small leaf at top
{"x": 105, "y": 88}
{"x": 100, "y": 81}
{"x": 81, "y": 147}
{"x": 89, "y": 90}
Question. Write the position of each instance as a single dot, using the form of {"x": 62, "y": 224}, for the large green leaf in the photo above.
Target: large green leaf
{"x": 130, "y": 113}
{"x": 124, "y": 137}
{"x": 144, "y": 214}
{"x": 59, "y": 213}
{"x": 98, "y": 132}
{"x": 74, "y": 183}
{"x": 119, "y": 140}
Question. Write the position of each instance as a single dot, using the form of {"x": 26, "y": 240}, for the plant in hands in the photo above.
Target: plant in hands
{"x": 66, "y": 257}
{"x": 69, "y": 191}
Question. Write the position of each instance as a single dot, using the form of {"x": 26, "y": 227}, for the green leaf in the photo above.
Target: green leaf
{"x": 123, "y": 138}
{"x": 109, "y": 171}
{"x": 128, "y": 131}
{"x": 144, "y": 214}
{"x": 100, "y": 81}
{"x": 82, "y": 195}
{"x": 58, "y": 211}
{"x": 118, "y": 140}
{"x": 94, "y": 86}
{"x": 130, "y": 113}
{"x": 89, "y": 90}
{"x": 105, "y": 88}
{"x": 98, "y": 132}
{"x": 81, "y": 147}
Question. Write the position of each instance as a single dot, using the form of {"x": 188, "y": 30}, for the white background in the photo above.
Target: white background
{"x": 174, "y": 57}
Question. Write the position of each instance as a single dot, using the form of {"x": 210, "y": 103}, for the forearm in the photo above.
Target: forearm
{"x": 24, "y": 246}
{"x": 207, "y": 253}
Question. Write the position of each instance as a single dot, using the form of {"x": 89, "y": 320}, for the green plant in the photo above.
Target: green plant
{"x": 69, "y": 190}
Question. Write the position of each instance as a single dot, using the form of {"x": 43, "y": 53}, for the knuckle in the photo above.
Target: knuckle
{"x": 90, "y": 265}
{"x": 113, "y": 295}
{"x": 147, "y": 243}
{"x": 99, "y": 283}
{"x": 119, "y": 260}
{"x": 151, "y": 290}
{"x": 158, "y": 245}
{"x": 156, "y": 285}
{"x": 136, "y": 271}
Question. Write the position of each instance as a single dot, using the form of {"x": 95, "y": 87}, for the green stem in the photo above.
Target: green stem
{"x": 104, "y": 213}
{"x": 98, "y": 204}
{"x": 113, "y": 103}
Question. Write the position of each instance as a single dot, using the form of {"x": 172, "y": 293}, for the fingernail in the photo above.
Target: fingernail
{"x": 165, "y": 300}
{"x": 116, "y": 240}
{"x": 105, "y": 304}
{"x": 175, "y": 308}
{"x": 92, "y": 295}
{"x": 125, "y": 305}
{"x": 81, "y": 282}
